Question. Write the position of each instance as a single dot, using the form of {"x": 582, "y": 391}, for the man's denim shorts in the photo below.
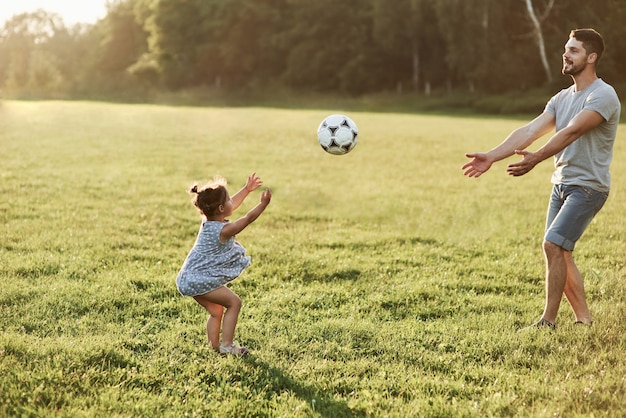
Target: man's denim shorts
{"x": 570, "y": 211}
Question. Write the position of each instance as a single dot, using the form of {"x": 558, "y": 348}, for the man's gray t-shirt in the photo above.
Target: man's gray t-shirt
{"x": 586, "y": 161}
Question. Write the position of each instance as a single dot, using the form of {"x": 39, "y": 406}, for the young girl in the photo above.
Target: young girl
{"x": 217, "y": 259}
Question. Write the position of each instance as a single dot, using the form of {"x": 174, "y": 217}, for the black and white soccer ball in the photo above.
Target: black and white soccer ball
{"x": 337, "y": 134}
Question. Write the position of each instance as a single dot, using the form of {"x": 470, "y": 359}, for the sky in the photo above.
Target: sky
{"x": 72, "y": 11}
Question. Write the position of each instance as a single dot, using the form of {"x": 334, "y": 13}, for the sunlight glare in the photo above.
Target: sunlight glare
{"x": 72, "y": 11}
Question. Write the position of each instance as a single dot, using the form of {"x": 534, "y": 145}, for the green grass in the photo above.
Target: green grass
{"x": 383, "y": 283}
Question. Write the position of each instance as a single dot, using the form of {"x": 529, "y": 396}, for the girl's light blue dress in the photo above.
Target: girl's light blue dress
{"x": 211, "y": 264}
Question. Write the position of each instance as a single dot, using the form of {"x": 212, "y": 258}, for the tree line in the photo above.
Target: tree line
{"x": 351, "y": 47}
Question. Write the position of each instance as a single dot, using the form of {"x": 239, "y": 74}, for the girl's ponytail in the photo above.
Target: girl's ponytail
{"x": 208, "y": 198}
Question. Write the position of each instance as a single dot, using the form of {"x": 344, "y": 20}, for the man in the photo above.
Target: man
{"x": 586, "y": 116}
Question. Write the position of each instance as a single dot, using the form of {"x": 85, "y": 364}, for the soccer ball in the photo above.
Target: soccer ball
{"x": 337, "y": 134}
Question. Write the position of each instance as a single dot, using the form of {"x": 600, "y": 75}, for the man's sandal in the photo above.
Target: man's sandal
{"x": 233, "y": 349}
{"x": 542, "y": 323}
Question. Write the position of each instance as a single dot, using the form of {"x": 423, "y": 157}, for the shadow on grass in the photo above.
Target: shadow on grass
{"x": 340, "y": 275}
{"x": 362, "y": 246}
{"x": 274, "y": 381}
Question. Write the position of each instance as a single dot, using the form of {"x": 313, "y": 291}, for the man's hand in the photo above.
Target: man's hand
{"x": 479, "y": 164}
{"x": 520, "y": 168}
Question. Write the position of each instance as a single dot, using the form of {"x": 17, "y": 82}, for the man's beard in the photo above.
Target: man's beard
{"x": 573, "y": 69}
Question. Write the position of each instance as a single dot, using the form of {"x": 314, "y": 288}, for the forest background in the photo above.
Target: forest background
{"x": 450, "y": 53}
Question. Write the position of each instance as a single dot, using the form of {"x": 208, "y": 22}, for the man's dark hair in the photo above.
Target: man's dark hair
{"x": 591, "y": 39}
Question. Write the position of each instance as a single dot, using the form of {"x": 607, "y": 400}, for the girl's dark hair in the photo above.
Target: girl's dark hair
{"x": 208, "y": 198}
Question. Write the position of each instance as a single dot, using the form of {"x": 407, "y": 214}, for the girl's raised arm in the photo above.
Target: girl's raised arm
{"x": 231, "y": 229}
{"x": 253, "y": 183}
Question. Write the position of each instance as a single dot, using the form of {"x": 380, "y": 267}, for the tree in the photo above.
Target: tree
{"x": 26, "y": 60}
{"x": 397, "y": 28}
{"x": 181, "y": 41}
{"x": 351, "y": 46}
{"x": 538, "y": 33}
{"x": 468, "y": 35}
{"x": 251, "y": 49}
{"x": 123, "y": 39}
{"x": 329, "y": 46}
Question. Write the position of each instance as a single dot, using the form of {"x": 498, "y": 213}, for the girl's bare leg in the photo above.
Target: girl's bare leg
{"x": 214, "y": 324}
{"x": 224, "y": 298}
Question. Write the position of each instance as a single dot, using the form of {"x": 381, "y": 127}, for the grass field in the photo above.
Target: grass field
{"x": 383, "y": 283}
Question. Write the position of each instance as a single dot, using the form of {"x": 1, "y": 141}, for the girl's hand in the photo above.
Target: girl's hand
{"x": 233, "y": 228}
{"x": 266, "y": 196}
{"x": 253, "y": 183}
